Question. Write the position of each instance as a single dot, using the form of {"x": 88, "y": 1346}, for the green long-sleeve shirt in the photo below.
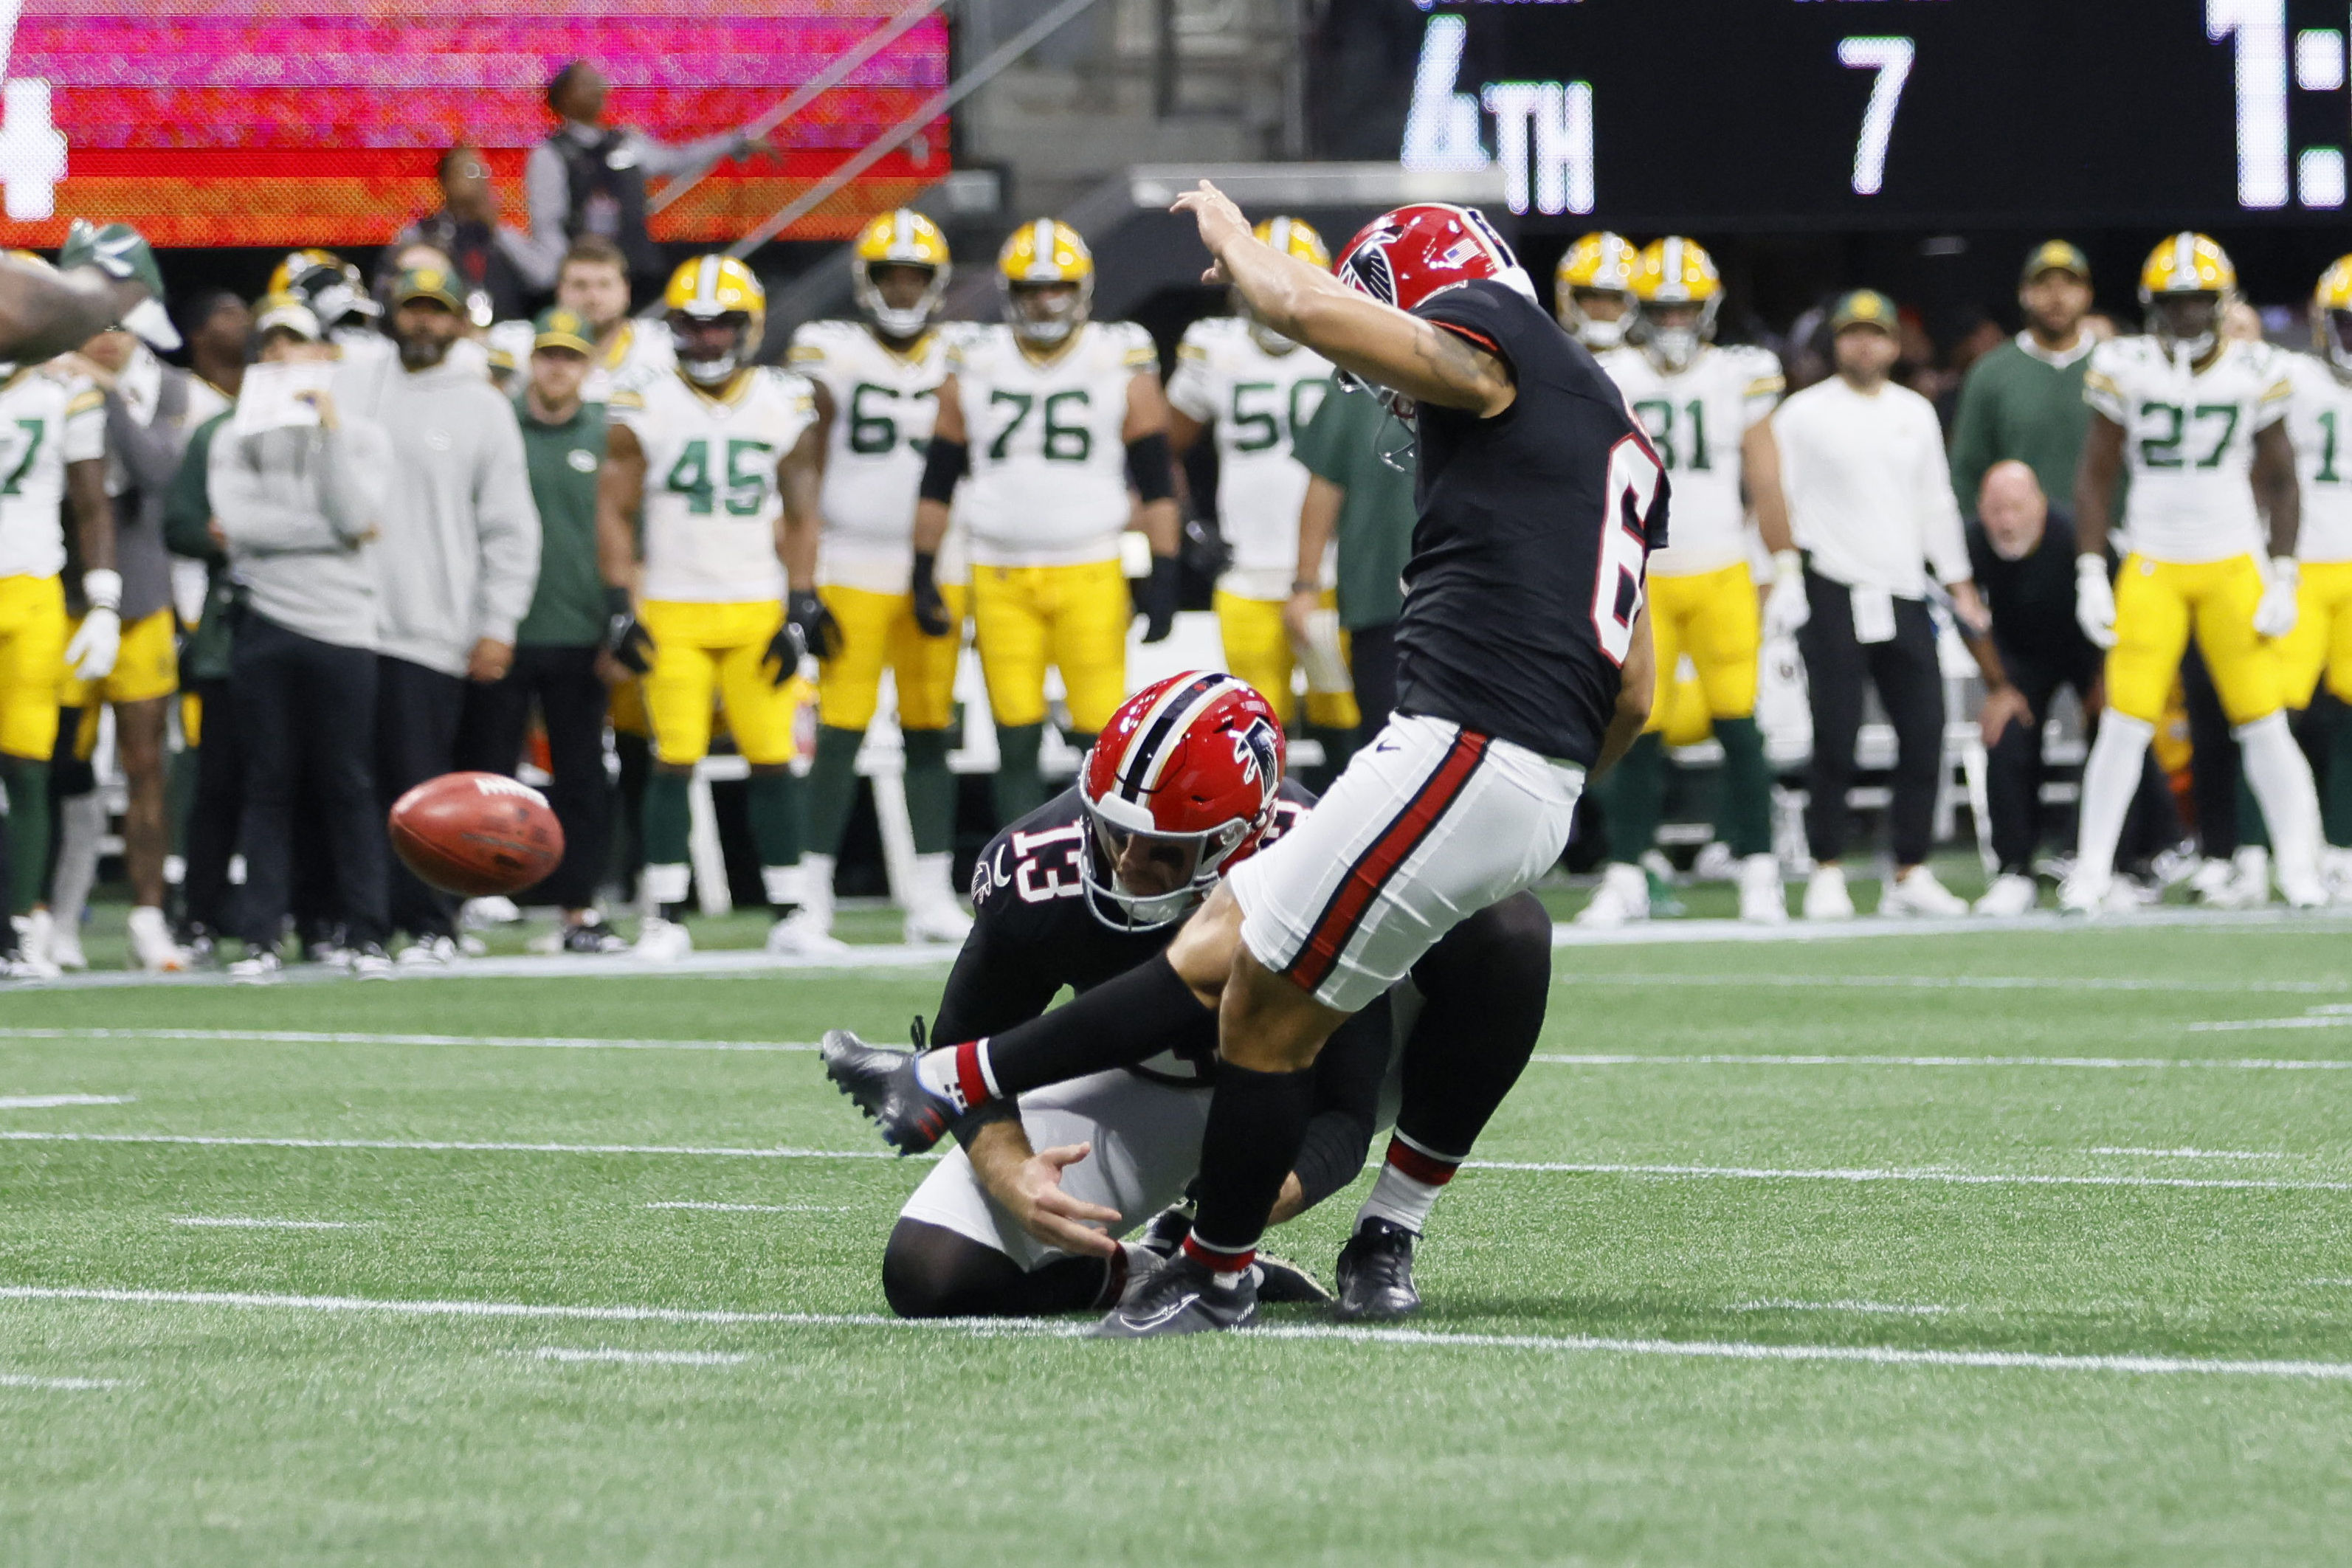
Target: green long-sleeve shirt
{"x": 187, "y": 512}
{"x": 567, "y": 610}
{"x": 2017, "y": 404}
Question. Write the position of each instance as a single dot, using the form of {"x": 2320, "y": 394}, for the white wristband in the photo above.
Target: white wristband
{"x": 2086, "y": 565}
{"x": 2285, "y": 572}
{"x": 103, "y": 588}
{"x": 1788, "y": 566}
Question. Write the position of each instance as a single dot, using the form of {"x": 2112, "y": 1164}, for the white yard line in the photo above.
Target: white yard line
{"x": 2193, "y": 1154}
{"x": 27, "y": 1380}
{"x": 757, "y": 1206}
{"x": 50, "y": 1101}
{"x": 239, "y": 1222}
{"x": 655, "y": 1357}
{"x": 449, "y": 1146}
{"x": 2278, "y": 922}
{"x": 2330, "y": 1371}
{"x": 1887, "y": 1308}
{"x": 349, "y": 1037}
{"x": 1956, "y": 1178}
{"x": 2108, "y": 1063}
{"x": 1960, "y": 983}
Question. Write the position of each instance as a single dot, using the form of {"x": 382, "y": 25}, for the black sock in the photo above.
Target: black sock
{"x": 1256, "y": 1122}
{"x": 1126, "y": 1019}
{"x": 931, "y": 1271}
{"x": 1485, "y": 986}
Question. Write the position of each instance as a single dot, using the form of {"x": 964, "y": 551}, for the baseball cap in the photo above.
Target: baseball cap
{"x": 288, "y": 313}
{"x": 2055, "y": 256}
{"x": 428, "y": 283}
{"x": 559, "y": 327}
{"x": 1863, "y": 307}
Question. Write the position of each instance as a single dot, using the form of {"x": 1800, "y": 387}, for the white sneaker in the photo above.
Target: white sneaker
{"x": 1919, "y": 894}
{"x": 1716, "y": 862}
{"x": 1623, "y": 896}
{"x": 2210, "y": 877}
{"x": 1826, "y": 897}
{"x": 2249, "y": 886}
{"x": 2303, "y": 886}
{"x": 803, "y": 932}
{"x": 936, "y": 922}
{"x": 481, "y": 914}
{"x": 34, "y": 931}
{"x": 932, "y": 913}
{"x": 2011, "y": 893}
{"x": 428, "y": 953}
{"x": 370, "y": 962}
{"x": 152, "y": 947}
{"x": 261, "y": 968}
{"x": 2336, "y": 870}
{"x": 65, "y": 948}
{"x": 1762, "y": 900}
{"x": 662, "y": 941}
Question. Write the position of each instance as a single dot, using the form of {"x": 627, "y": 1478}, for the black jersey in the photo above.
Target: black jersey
{"x": 1530, "y": 551}
{"x": 1033, "y": 932}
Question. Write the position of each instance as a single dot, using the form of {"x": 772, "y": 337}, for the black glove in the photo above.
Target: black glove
{"x": 930, "y": 608}
{"x": 625, "y": 638}
{"x": 820, "y": 633}
{"x": 1156, "y": 598}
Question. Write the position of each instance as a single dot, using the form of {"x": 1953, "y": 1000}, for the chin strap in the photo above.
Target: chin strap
{"x": 709, "y": 372}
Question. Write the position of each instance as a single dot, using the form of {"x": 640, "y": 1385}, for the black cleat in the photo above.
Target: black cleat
{"x": 1180, "y": 1296}
{"x": 1375, "y": 1275}
{"x": 1167, "y": 1230}
{"x": 1281, "y": 1282}
{"x": 882, "y": 1082}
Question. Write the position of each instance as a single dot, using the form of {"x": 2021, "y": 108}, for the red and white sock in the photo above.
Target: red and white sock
{"x": 1407, "y": 1188}
{"x": 959, "y": 1074}
{"x": 1227, "y": 1263}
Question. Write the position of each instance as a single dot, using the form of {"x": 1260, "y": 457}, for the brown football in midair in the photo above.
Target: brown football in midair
{"x": 474, "y": 834}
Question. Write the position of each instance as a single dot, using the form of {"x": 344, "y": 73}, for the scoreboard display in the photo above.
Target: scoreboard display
{"x": 297, "y": 123}
{"x": 1735, "y": 114}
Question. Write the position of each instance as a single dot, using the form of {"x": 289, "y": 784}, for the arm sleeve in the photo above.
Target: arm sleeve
{"x": 945, "y": 463}
{"x": 1939, "y": 515}
{"x": 187, "y": 505}
{"x": 657, "y": 160}
{"x": 356, "y": 478}
{"x": 1150, "y": 469}
{"x": 1972, "y": 434}
{"x": 506, "y": 524}
{"x": 996, "y": 981}
{"x": 272, "y": 514}
{"x": 547, "y": 194}
{"x": 149, "y": 453}
{"x": 1348, "y": 1076}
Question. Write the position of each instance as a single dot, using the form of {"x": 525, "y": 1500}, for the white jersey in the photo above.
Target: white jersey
{"x": 2189, "y": 440}
{"x": 1259, "y": 402}
{"x": 641, "y": 355}
{"x": 884, "y": 405}
{"x": 1696, "y": 418}
{"x": 1049, "y": 480}
{"x": 45, "y": 423}
{"x": 2319, "y": 421}
{"x": 711, "y": 496}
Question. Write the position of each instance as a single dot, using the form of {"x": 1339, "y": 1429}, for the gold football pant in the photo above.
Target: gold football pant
{"x": 1714, "y": 618}
{"x": 2159, "y": 605}
{"x": 878, "y": 630}
{"x": 1074, "y": 618}
{"x": 1258, "y": 650}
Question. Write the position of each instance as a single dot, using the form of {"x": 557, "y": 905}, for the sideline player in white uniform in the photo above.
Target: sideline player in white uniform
{"x": 2319, "y": 422}
{"x": 1593, "y": 289}
{"x": 2201, "y": 420}
{"x": 593, "y": 279}
{"x": 1707, "y": 411}
{"x": 1045, "y": 421}
{"x": 52, "y": 454}
{"x": 1258, "y": 389}
{"x": 723, "y": 458}
{"x": 877, "y": 382}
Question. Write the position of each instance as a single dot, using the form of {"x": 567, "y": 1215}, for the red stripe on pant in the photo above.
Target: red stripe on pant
{"x": 1336, "y": 925}
{"x": 971, "y": 1083}
{"x": 1426, "y": 1170}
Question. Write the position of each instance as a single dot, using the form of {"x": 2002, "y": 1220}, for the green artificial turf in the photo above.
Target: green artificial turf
{"x": 1784, "y": 1207}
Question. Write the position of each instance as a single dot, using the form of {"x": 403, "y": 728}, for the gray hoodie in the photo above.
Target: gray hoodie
{"x": 459, "y": 556}
{"x": 297, "y": 505}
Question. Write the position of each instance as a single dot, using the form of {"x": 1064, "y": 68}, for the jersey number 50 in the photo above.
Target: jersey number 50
{"x": 1631, "y": 493}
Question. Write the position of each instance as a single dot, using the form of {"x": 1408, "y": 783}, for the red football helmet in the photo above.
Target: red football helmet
{"x": 1403, "y": 257}
{"x": 1178, "y": 789}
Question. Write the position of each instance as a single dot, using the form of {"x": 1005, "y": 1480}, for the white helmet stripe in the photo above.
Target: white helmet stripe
{"x": 2184, "y": 260}
{"x": 1674, "y": 271}
{"x": 1042, "y": 269}
{"x": 706, "y": 282}
{"x": 1277, "y": 234}
{"x": 1162, "y": 732}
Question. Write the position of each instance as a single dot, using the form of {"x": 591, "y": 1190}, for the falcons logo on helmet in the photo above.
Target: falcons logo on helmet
{"x": 1258, "y": 748}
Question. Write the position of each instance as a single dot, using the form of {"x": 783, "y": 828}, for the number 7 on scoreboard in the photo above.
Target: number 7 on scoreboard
{"x": 1891, "y": 58}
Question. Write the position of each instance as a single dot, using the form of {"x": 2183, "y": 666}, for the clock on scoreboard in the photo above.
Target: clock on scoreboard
{"x": 1853, "y": 113}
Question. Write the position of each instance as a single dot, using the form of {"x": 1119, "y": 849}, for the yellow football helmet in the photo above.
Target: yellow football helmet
{"x": 1600, "y": 263}
{"x": 1292, "y": 236}
{"x": 710, "y": 289}
{"x": 900, "y": 238}
{"x": 2331, "y": 316}
{"x": 334, "y": 289}
{"x": 1046, "y": 251}
{"x": 1676, "y": 271}
{"x": 2185, "y": 286}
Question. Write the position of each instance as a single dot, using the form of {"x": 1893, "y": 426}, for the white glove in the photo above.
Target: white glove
{"x": 2276, "y": 615}
{"x": 92, "y": 652}
{"x": 2095, "y": 600}
{"x": 1786, "y": 608}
